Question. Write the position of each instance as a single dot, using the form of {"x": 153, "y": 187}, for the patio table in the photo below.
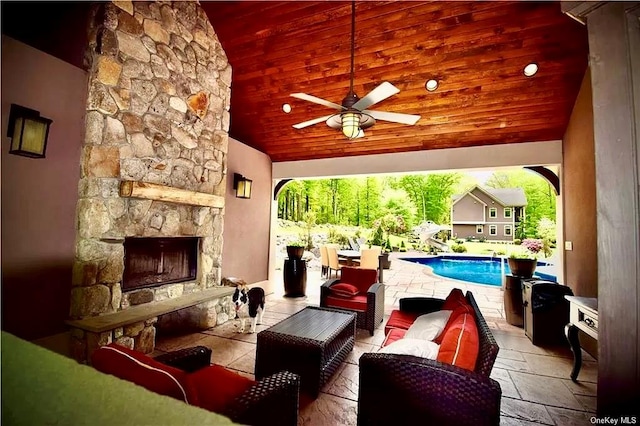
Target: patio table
{"x": 350, "y": 255}
{"x": 312, "y": 343}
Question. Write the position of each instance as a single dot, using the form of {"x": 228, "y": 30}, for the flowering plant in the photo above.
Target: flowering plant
{"x": 533, "y": 245}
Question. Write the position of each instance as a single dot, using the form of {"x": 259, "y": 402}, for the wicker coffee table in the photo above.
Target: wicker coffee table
{"x": 312, "y": 343}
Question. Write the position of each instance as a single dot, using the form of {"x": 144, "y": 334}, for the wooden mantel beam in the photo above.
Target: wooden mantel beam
{"x": 152, "y": 191}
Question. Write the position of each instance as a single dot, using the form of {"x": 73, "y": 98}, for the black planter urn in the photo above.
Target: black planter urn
{"x": 295, "y": 277}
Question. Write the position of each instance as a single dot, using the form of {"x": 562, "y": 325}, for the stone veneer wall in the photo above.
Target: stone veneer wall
{"x": 157, "y": 111}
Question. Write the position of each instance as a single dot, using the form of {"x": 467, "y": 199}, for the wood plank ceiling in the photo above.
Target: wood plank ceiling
{"x": 476, "y": 50}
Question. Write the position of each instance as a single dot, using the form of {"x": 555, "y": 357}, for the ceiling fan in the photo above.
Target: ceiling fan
{"x": 354, "y": 116}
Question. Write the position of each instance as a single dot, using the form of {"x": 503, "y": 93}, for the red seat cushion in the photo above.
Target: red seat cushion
{"x": 214, "y": 388}
{"x": 394, "y": 334}
{"x": 140, "y": 369}
{"x": 363, "y": 279}
{"x": 343, "y": 290}
{"x": 400, "y": 319}
{"x": 356, "y": 303}
{"x": 460, "y": 344}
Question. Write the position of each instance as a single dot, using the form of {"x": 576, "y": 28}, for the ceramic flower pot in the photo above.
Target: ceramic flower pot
{"x": 523, "y": 268}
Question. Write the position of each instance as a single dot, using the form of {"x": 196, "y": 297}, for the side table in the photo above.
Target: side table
{"x": 583, "y": 315}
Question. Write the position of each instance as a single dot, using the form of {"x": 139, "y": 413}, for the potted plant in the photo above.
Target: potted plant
{"x": 523, "y": 262}
{"x": 377, "y": 239}
{"x": 295, "y": 249}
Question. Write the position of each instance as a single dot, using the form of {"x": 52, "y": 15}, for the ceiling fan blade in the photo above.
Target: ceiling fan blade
{"x": 312, "y": 122}
{"x": 382, "y": 92}
{"x": 316, "y": 100}
{"x": 393, "y": 117}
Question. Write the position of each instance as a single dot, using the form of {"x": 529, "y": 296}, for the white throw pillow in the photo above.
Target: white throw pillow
{"x": 415, "y": 347}
{"x": 428, "y": 326}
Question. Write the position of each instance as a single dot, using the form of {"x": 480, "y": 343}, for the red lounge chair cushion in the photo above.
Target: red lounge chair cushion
{"x": 461, "y": 344}
{"x": 356, "y": 303}
{"x": 344, "y": 290}
{"x": 214, "y": 388}
{"x": 363, "y": 279}
{"x": 400, "y": 319}
{"x": 140, "y": 369}
{"x": 394, "y": 335}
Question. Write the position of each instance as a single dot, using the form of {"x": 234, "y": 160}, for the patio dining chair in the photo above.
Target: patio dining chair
{"x": 324, "y": 261}
{"x": 334, "y": 262}
{"x": 369, "y": 258}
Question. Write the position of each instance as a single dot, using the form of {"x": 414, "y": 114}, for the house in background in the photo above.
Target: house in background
{"x": 488, "y": 213}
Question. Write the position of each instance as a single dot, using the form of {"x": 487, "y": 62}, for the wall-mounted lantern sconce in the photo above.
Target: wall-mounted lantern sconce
{"x": 242, "y": 185}
{"x": 28, "y": 132}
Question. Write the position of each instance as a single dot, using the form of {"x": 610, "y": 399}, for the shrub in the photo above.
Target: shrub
{"x": 338, "y": 237}
{"x": 482, "y": 239}
{"x": 459, "y": 248}
{"x": 459, "y": 241}
{"x": 517, "y": 241}
{"x": 403, "y": 247}
{"x": 469, "y": 239}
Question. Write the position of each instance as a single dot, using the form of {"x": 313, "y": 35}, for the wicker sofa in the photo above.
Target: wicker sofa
{"x": 188, "y": 375}
{"x": 405, "y": 389}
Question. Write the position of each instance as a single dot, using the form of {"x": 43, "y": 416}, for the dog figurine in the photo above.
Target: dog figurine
{"x": 249, "y": 304}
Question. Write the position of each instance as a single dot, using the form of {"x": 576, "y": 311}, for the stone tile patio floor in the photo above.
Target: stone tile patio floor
{"x": 536, "y": 388}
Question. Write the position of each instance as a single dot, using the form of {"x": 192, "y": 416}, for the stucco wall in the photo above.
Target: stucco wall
{"x": 579, "y": 194}
{"x": 246, "y": 221}
{"x": 39, "y": 195}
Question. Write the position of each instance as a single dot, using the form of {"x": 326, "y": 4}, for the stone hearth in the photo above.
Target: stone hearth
{"x": 157, "y": 113}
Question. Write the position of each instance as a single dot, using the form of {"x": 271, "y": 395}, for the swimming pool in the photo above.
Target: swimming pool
{"x": 475, "y": 269}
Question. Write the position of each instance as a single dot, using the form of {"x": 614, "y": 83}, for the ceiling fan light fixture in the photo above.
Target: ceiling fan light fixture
{"x": 531, "y": 69}
{"x": 350, "y": 124}
{"x": 431, "y": 85}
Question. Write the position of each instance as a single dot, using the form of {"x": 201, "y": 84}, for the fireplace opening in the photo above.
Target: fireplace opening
{"x": 150, "y": 262}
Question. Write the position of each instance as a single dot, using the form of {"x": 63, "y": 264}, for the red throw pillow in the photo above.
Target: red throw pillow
{"x": 461, "y": 343}
{"x": 140, "y": 369}
{"x": 344, "y": 290}
{"x": 462, "y": 309}
{"x": 214, "y": 388}
{"x": 454, "y": 299}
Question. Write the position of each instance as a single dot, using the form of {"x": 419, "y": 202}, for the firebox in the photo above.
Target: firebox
{"x": 149, "y": 262}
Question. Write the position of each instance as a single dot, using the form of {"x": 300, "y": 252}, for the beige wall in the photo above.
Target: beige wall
{"x": 246, "y": 222}
{"x": 579, "y": 195}
{"x": 39, "y": 195}
{"x": 476, "y": 157}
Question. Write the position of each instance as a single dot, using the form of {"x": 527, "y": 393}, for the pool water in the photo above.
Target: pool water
{"x": 479, "y": 270}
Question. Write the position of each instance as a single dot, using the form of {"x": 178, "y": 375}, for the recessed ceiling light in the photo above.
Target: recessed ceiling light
{"x": 431, "y": 85}
{"x": 286, "y": 108}
{"x": 531, "y": 69}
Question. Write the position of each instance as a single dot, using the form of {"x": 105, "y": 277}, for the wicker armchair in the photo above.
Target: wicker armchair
{"x": 368, "y": 304}
{"x": 400, "y": 389}
{"x": 270, "y": 401}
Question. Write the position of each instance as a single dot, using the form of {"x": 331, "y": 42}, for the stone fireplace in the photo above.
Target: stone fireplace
{"x": 157, "y": 121}
{"x": 149, "y": 262}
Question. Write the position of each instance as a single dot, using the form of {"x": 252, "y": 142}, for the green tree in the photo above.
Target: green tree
{"x": 399, "y": 206}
